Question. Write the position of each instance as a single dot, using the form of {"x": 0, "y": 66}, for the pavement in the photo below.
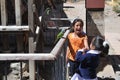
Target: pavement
{"x": 112, "y": 22}
{"x": 112, "y": 32}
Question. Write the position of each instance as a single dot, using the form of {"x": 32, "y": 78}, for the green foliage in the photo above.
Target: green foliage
{"x": 116, "y": 8}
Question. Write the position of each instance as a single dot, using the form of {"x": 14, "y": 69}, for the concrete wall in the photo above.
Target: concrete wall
{"x": 95, "y": 23}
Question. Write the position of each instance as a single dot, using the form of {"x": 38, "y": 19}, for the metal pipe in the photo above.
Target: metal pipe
{"x": 40, "y": 56}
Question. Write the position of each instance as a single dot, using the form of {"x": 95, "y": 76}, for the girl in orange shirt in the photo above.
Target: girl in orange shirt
{"x": 76, "y": 40}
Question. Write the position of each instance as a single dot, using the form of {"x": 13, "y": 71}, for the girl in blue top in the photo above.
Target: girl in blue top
{"x": 89, "y": 60}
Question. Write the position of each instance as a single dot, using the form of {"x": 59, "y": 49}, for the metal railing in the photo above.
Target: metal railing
{"x": 55, "y": 59}
{"x": 51, "y": 64}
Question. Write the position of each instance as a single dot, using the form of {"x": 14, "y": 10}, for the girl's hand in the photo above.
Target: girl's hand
{"x": 84, "y": 50}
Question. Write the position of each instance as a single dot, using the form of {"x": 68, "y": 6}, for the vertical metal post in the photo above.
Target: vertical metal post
{"x": 19, "y": 36}
{"x": 4, "y": 21}
{"x": 3, "y": 12}
{"x": 31, "y": 39}
{"x": 4, "y": 36}
{"x": 18, "y": 23}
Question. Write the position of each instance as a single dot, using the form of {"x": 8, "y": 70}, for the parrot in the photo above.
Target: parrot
{"x": 59, "y": 35}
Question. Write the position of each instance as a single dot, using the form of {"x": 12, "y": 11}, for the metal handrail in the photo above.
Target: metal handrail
{"x": 40, "y": 56}
{"x": 14, "y": 28}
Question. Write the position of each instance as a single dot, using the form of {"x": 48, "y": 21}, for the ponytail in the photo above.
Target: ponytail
{"x": 106, "y": 48}
{"x": 101, "y": 45}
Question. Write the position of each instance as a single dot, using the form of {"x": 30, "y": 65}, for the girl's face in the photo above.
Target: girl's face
{"x": 78, "y": 28}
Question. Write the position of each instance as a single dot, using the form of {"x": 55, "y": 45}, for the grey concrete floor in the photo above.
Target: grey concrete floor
{"x": 112, "y": 32}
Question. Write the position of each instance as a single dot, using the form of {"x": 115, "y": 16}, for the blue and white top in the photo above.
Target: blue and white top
{"x": 88, "y": 63}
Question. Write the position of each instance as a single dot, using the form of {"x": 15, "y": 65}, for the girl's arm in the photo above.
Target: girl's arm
{"x": 86, "y": 43}
{"x": 80, "y": 56}
{"x": 67, "y": 52}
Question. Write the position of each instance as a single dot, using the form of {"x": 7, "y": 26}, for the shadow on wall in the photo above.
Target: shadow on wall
{"x": 115, "y": 61}
{"x": 112, "y": 60}
{"x": 92, "y": 28}
{"x": 103, "y": 65}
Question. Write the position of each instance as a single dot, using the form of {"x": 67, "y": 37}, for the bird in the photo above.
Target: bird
{"x": 59, "y": 35}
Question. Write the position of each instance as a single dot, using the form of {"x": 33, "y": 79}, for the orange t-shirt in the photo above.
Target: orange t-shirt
{"x": 75, "y": 43}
